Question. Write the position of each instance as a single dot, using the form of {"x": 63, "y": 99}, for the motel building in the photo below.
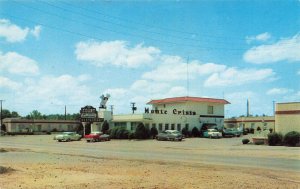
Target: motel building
{"x": 251, "y": 122}
{"x": 177, "y": 113}
{"x": 287, "y": 117}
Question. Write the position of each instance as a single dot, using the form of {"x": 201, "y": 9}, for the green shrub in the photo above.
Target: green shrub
{"x": 119, "y": 133}
{"x": 153, "y": 132}
{"x": 141, "y": 132}
{"x": 258, "y": 129}
{"x": 131, "y": 136}
{"x": 195, "y": 132}
{"x": 122, "y": 133}
{"x": 271, "y": 130}
{"x": 245, "y": 141}
{"x": 251, "y": 130}
{"x": 292, "y": 138}
{"x": 275, "y": 139}
{"x": 185, "y": 132}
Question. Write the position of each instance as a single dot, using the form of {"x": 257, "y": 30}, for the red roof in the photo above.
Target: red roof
{"x": 187, "y": 98}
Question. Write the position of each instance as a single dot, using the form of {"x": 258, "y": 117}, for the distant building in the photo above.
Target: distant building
{"x": 18, "y": 125}
{"x": 262, "y": 122}
{"x": 177, "y": 113}
{"x": 287, "y": 116}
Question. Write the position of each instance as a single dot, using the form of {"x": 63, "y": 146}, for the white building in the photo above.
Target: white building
{"x": 177, "y": 113}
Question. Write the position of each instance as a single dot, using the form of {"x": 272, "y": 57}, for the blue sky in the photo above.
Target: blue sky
{"x": 57, "y": 53}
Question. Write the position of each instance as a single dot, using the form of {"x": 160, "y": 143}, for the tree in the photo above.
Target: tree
{"x": 34, "y": 115}
{"x": 5, "y": 114}
{"x": 105, "y": 127}
{"x": 15, "y": 114}
{"x": 141, "y": 132}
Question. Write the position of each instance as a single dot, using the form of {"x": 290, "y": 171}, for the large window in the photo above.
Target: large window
{"x": 153, "y": 125}
{"x": 166, "y": 126}
{"x": 187, "y": 126}
{"x": 210, "y": 110}
{"x": 172, "y": 126}
{"x": 160, "y": 126}
{"x": 178, "y": 127}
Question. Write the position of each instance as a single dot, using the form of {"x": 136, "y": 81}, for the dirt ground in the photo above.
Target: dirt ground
{"x": 47, "y": 168}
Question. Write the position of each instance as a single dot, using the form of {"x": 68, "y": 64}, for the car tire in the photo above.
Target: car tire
{"x": 68, "y": 140}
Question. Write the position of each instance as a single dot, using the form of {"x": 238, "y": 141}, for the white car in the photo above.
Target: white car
{"x": 67, "y": 136}
{"x": 212, "y": 133}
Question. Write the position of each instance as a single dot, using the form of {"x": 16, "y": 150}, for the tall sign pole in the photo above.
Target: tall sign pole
{"x": 1, "y": 112}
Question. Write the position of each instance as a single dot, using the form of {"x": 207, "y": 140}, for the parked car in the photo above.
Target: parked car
{"x": 67, "y": 137}
{"x": 212, "y": 133}
{"x": 96, "y": 137}
{"x": 232, "y": 132}
{"x": 169, "y": 135}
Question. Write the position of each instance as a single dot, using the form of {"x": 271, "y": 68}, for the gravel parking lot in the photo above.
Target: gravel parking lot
{"x": 39, "y": 161}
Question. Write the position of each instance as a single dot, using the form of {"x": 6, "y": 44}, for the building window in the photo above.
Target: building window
{"x": 187, "y": 126}
{"x": 147, "y": 125}
{"x": 153, "y": 125}
{"x": 178, "y": 127}
{"x": 173, "y": 126}
{"x": 210, "y": 110}
{"x": 160, "y": 126}
{"x": 133, "y": 126}
{"x": 166, "y": 126}
{"x": 252, "y": 125}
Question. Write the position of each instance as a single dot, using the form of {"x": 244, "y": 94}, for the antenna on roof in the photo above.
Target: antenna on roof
{"x": 187, "y": 77}
{"x": 248, "y": 111}
{"x": 133, "y": 107}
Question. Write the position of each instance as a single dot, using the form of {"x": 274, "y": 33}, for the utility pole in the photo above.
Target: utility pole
{"x": 248, "y": 111}
{"x": 65, "y": 112}
{"x": 273, "y": 107}
{"x": 1, "y": 112}
{"x": 187, "y": 77}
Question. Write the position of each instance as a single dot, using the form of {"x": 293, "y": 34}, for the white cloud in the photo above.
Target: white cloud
{"x": 233, "y": 76}
{"x": 261, "y": 37}
{"x": 117, "y": 53}
{"x": 61, "y": 90}
{"x": 284, "y": 50}
{"x": 13, "y": 33}
{"x": 278, "y": 91}
{"x": 7, "y": 83}
{"x": 18, "y": 64}
{"x": 148, "y": 86}
{"x": 173, "y": 68}
{"x": 36, "y": 31}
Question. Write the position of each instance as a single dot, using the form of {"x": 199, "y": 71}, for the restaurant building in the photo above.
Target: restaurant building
{"x": 177, "y": 113}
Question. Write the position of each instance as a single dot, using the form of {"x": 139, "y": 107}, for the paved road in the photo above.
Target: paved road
{"x": 196, "y": 151}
